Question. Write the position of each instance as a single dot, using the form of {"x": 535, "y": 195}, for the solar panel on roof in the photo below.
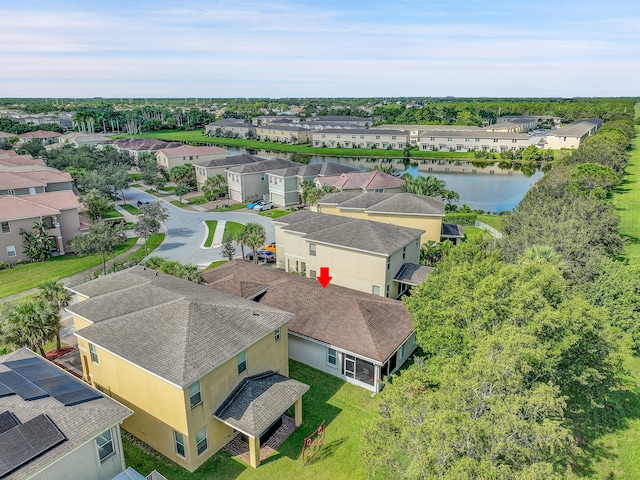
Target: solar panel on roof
{"x": 37, "y": 372}
{"x": 5, "y": 391}
{"x": 7, "y": 421}
{"x": 13, "y": 364}
{"x": 77, "y": 397}
{"x": 11, "y": 378}
{"x": 29, "y": 391}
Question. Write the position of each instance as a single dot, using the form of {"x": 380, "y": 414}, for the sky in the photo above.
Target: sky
{"x": 298, "y": 48}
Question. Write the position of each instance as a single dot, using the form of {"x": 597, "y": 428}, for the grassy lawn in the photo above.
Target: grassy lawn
{"x": 215, "y": 264}
{"x": 30, "y": 275}
{"x": 211, "y": 229}
{"x": 491, "y": 220}
{"x": 232, "y": 228}
{"x": 626, "y": 201}
{"x": 130, "y": 208}
{"x": 113, "y": 213}
{"x": 136, "y": 185}
{"x": 345, "y": 409}
{"x": 274, "y": 213}
{"x": 152, "y": 243}
{"x": 178, "y": 203}
{"x": 235, "y": 206}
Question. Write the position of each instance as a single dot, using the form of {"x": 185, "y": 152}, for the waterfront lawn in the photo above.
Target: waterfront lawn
{"x": 30, "y": 275}
{"x": 344, "y": 407}
{"x": 211, "y": 230}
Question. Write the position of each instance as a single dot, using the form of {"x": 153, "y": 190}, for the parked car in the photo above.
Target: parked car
{"x": 271, "y": 247}
{"x": 263, "y": 256}
{"x": 253, "y": 204}
{"x": 264, "y": 206}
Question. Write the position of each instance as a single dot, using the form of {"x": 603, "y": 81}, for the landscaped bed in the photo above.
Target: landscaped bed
{"x": 211, "y": 230}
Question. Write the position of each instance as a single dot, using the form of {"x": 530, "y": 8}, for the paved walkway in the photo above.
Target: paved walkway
{"x": 218, "y": 234}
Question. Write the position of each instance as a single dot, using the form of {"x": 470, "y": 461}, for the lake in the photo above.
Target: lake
{"x": 491, "y": 189}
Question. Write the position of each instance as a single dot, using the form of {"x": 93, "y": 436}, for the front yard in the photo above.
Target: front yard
{"x": 345, "y": 409}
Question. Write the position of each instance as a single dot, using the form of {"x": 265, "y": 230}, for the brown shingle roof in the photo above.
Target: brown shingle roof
{"x": 398, "y": 203}
{"x": 188, "y": 150}
{"x": 33, "y": 178}
{"x": 363, "y": 180}
{"x": 364, "y": 324}
{"x": 40, "y": 134}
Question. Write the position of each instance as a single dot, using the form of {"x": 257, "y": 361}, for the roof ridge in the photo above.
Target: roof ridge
{"x": 21, "y": 198}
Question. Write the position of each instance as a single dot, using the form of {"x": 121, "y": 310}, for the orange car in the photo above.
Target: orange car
{"x": 270, "y": 246}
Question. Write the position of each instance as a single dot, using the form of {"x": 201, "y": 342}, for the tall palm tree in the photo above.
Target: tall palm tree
{"x": 58, "y": 297}
{"x": 30, "y": 324}
{"x": 255, "y": 238}
{"x": 214, "y": 185}
{"x": 240, "y": 237}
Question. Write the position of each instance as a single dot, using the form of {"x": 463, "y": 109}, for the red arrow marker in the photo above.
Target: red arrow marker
{"x": 324, "y": 277}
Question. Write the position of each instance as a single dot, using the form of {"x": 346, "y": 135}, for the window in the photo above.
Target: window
{"x": 105, "y": 445}
{"x": 312, "y": 249}
{"x": 13, "y": 192}
{"x": 404, "y": 252}
{"x": 332, "y": 357}
{"x": 393, "y": 137}
{"x": 433, "y": 139}
{"x": 276, "y": 334}
{"x": 338, "y": 136}
{"x": 313, "y": 274}
{"x": 93, "y": 352}
{"x": 377, "y": 137}
{"x": 242, "y": 362}
{"x": 195, "y": 398}
{"x": 375, "y": 289}
{"x": 179, "y": 439}
{"x": 449, "y": 139}
{"x": 201, "y": 441}
{"x": 477, "y": 140}
{"x": 388, "y": 290}
{"x": 353, "y": 136}
{"x": 361, "y": 137}
{"x": 495, "y": 140}
{"x": 262, "y": 177}
{"x": 5, "y": 227}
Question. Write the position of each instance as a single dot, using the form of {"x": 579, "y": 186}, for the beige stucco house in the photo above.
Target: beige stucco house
{"x": 283, "y": 134}
{"x": 34, "y": 181}
{"x": 172, "y": 157}
{"x": 209, "y": 168}
{"x": 361, "y": 182}
{"x": 361, "y": 255}
{"x": 361, "y": 138}
{"x": 44, "y": 136}
{"x": 249, "y": 182}
{"x": 573, "y": 134}
{"x": 459, "y": 140}
{"x": 197, "y": 366}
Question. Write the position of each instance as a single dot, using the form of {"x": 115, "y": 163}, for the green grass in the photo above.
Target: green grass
{"x": 152, "y": 243}
{"x": 30, "y": 275}
{"x": 472, "y": 232}
{"x": 215, "y": 264}
{"x": 135, "y": 176}
{"x": 130, "y": 208}
{"x": 232, "y": 228}
{"x": 197, "y": 200}
{"x": 178, "y": 203}
{"x": 491, "y": 220}
{"x": 344, "y": 407}
{"x": 275, "y": 213}
{"x": 136, "y": 185}
{"x": 211, "y": 230}
{"x": 169, "y": 188}
{"x": 626, "y": 201}
{"x": 235, "y": 206}
{"x": 113, "y": 213}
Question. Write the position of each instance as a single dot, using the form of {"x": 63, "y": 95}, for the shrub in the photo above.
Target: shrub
{"x": 464, "y": 219}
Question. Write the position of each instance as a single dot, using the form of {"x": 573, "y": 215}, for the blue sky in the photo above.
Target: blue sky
{"x": 348, "y": 48}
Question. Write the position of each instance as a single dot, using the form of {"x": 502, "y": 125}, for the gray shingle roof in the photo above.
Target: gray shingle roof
{"x": 357, "y": 322}
{"x": 367, "y": 131}
{"x": 318, "y": 222}
{"x": 231, "y": 161}
{"x": 315, "y": 170}
{"x": 577, "y": 128}
{"x": 412, "y": 274}
{"x": 79, "y": 423}
{"x": 400, "y": 203}
{"x": 258, "y": 401}
{"x": 173, "y": 328}
{"x": 337, "y": 198}
{"x": 264, "y": 166}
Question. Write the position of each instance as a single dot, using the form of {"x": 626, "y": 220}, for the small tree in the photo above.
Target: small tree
{"x": 181, "y": 191}
{"x": 97, "y": 204}
{"x": 58, "y": 297}
{"x": 37, "y": 244}
{"x": 228, "y": 250}
{"x": 103, "y": 238}
{"x": 30, "y": 323}
{"x": 150, "y": 218}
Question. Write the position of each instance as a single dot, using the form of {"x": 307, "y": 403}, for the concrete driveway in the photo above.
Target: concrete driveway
{"x": 185, "y": 232}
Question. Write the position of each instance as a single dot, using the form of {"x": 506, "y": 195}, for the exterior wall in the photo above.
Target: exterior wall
{"x": 84, "y": 463}
{"x": 249, "y": 187}
{"x": 161, "y": 408}
{"x": 283, "y": 191}
{"x": 346, "y": 139}
{"x": 234, "y": 185}
{"x": 203, "y": 173}
{"x": 69, "y": 221}
{"x": 169, "y": 162}
{"x": 280, "y": 135}
{"x": 383, "y": 190}
{"x": 556, "y": 142}
{"x": 14, "y": 238}
{"x": 472, "y": 141}
{"x": 23, "y": 191}
{"x": 59, "y": 186}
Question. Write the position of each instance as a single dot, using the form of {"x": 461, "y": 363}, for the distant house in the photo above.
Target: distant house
{"x": 229, "y": 127}
{"x": 78, "y": 139}
{"x": 285, "y": 185}
{"x": 209, "y": 168}
{"x": 283, "y": 134}
{"x": 136, "y": 146}
{"x": 358, "y": 337}
{"x": 59, "y": 210}
{"x": 44, "y": 136}
{"x": 360, "y": 254}
{"x": 172, "y": 157}
{"x": 361, "y": 138}
{"x": 447, "y": 139}
{"x": 34, "y": 181}
{"x": 362, "y": 182}
{"x": 573, "y": 134}
{"x": 54, "y": 426}
{"x": 195, "y": 365}
{"x": 402, "y": 209}
{"x": 249, "y": 181}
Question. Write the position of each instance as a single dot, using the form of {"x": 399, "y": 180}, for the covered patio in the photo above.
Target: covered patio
{"x": 257, "y": 404}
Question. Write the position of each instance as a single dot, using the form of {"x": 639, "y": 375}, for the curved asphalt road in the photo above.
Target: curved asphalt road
{"x": 185, "y": 232}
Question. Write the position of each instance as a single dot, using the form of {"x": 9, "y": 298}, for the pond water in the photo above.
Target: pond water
{"x": 490, "y": 188}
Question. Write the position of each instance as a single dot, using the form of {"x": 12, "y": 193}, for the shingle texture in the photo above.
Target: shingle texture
{"x": 264, "y": 166}
{"x": 174, "y": 328}
{"x": 144, "y": 144}
{"x": 363, "y": 180}
{"x": 314, "y": 170}
{"x": 413, "y": 274}
{"x": 79, "y": 423}
{"x": 258, "y": 401}
{"x": 231, "y": 161}
{"x": 188, "y": 150}
{"x": 398, "y": 203}
{"x": 577, "y": 128}
{"x": 41, "y": 204}
{"x": 364, "y": 324}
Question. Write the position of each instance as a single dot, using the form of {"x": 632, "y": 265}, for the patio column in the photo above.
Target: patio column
{"x": 298, "y": 412}
{"x": 254, "y": 451}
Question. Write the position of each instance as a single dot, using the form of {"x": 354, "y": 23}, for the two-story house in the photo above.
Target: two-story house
{"x": 44, "y": 136}
{"x": 34, "y": 181}
{"x": 360, "y": 138}
{"x": 249, "y": 182}
{"x": 360, "y": 254}
{"x": 54, "y": 426}
{"x": 172, "y": 157}
{"x": 573, "y": 134}
{"x": 209, "y": 168}
{"x": 195, "y": 365}
{"x": 283, "y": 134}
{"x": 354, "y": 336}
{"x": 374, "y": 181}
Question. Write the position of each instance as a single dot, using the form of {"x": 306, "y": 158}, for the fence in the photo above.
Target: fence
{"x": 483, "y": 226}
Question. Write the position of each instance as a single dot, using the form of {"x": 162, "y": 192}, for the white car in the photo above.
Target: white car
{"x": 264, "y": 206}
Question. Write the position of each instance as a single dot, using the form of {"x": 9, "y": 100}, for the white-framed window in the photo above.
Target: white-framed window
{"x": 93, "y": 352}
{"x": 13, "y": 192}
{"x": 388, "y": 290}
{"x": 262, "y": 177}
{"x": 242, "y": 362}
{"x": 312, "y": 249}
{"x": 179, "y": 441}
{"x": 276, "y": 334}
{"x": 195, "y": 397}
{"x": 377, "y": 137}
{"x": 393, "y": 137}
{"x": 313, "y": 274}
{"x": 5, "y": 227}
{"x": 375, "y": 289}
{"x": 201, "y": 441}
{"x": 332, "y": 357}
{"x": 104, "y": 443}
